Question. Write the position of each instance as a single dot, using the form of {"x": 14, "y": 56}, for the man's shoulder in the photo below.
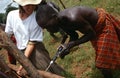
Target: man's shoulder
{"x": 14, "y": 11}
{"x": 12, "y": 14}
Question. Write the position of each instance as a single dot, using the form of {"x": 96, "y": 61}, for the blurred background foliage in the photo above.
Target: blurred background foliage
{"x": 112, "y": 6}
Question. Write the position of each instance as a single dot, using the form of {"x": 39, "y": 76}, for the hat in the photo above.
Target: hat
{"x": 27, "y": 2}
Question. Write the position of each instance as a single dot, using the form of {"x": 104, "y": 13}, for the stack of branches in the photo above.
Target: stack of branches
{"x": 9, "y": 70}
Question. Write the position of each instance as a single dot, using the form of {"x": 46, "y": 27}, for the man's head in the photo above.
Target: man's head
{"x": 46, "y": 17}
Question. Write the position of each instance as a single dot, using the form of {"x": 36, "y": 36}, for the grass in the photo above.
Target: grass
{"x": 81, "y": 61}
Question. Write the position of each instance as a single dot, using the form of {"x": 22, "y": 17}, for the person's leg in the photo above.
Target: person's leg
{"x": 40, "y": 58}
{"x": 107, "y": 73}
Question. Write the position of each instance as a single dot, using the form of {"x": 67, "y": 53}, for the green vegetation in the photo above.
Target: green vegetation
{"x": 4, "y": 15}
{"x": 112, "y": 6}
{"x": 80, "y": 62}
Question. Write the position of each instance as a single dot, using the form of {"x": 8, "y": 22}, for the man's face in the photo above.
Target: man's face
{"x": 29, "y": 8}
{"x": 50, "y": 25}
{"x": 46, "y": 18}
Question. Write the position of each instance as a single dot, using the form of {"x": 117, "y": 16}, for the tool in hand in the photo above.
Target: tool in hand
{"x": 61, "y": 48}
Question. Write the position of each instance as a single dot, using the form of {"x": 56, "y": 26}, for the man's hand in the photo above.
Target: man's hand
{"x": 66, "y": 51}
{"x": 19, "y": 70}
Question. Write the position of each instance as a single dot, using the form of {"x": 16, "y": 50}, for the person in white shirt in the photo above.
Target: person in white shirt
{"x": 29, "y": 36}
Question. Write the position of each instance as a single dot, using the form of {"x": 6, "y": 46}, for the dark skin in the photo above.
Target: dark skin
{"x": 43, "y": 10}
{"x": 82, "y": 19}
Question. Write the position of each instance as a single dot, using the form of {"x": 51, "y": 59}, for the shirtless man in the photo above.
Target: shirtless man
{"x": 96, "y": 25}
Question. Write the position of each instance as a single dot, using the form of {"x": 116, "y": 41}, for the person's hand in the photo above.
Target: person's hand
{"x": 19, "y": 70}
{"x": 66, "y": 51}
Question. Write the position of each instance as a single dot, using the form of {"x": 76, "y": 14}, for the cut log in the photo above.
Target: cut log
{"x": 44, "y": 74}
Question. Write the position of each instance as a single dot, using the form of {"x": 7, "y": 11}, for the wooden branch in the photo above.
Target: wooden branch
{"x": 62, "y": 4}
{"x": 20, "y": 57}
{"x": 49, "y": 75}
{"x": 43, "y": 73}
{"x": 6, "y": 70}
{"x": 24, "y": 61}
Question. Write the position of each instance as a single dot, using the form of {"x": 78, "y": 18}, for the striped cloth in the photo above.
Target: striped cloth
{"x": 107, "y": 43}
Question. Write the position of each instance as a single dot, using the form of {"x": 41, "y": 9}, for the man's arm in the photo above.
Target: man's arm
{"x": 73, "y": 35}
{"x": 86, "y": 37}
{"x": 27, "y": 53}
{"x": 29, "y": 49}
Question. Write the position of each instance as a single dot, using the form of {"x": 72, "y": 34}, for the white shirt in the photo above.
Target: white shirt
{"x": 24, "y": 30}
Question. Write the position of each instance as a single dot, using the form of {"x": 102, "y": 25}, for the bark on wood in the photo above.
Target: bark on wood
{"x": 7, "y": 72}
{"x": 42, "y": 73}
{"x": 7, "y": 44}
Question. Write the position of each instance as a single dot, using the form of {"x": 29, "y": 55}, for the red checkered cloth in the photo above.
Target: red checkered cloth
{"x": 107, "y": 43}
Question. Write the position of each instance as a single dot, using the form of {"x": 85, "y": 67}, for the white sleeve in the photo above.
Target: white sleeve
{"x": 8, "y": 28}
{"x": 37, "y": 34}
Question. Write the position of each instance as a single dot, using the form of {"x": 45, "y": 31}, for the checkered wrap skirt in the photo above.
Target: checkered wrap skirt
{"x": 107, "y": 43}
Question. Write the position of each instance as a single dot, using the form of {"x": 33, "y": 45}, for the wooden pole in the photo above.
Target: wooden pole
{"x": 62, "y": 4}
{"x": 6, "y": 43}
{"x": 44, "y": 74}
